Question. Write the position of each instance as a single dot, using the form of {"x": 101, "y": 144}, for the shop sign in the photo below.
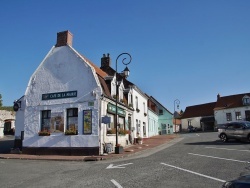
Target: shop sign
{"x": 59, "y": 95}
{"x": 112, "y": 109}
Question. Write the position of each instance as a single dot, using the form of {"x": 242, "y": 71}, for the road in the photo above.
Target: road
{"x": 195, "y": 160}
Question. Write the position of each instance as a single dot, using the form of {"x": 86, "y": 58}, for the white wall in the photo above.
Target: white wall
{"x": 152, "y": 124}
{"x": 195, "y": 122}
{"x": 62, "y": 70}
{"x": 140, "y": 115}
{"x": 221, "y": 118}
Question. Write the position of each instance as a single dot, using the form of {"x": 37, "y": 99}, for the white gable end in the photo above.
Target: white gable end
{"x": 62, "y": 70}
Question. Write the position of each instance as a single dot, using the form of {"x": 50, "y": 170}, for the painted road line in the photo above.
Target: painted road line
{"x": 197, "y": 134}
{"x": 116, "y": 183}
{"x": 227, "y": 149}
{"x": 219, "y": 158}
{"x": 196, "y": 173}
{"x": 118, "y": 166}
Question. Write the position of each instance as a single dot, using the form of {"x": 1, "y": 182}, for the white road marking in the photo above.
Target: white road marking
{"x": 118, "y": 166}
{"x": 219, "y": 158}
{"x": 116, "y": 183}
{"x": 192, "y": 172}
{"x": 227, "y": 149}
{"x": 197, "y": 134}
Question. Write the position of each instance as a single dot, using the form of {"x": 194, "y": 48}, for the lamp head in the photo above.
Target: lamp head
{"x": 126, "y": 72}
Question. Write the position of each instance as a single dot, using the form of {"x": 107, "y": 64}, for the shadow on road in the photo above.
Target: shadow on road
{"x": 6, "y": 145}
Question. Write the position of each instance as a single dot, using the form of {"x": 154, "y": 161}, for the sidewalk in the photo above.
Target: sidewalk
{"x": 148, "y": 143}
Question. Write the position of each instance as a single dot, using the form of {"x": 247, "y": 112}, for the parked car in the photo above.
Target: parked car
{"x": 238, "y": 130}
{"x": 192, "y": 129}
{"x": 242, "y": 182}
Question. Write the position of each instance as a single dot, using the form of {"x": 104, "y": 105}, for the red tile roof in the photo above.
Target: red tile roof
{"x": 199, "y": 110}
{"x": 231, "y": 101}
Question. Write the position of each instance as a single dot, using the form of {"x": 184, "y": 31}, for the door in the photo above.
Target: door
{"x": 163, "y": 129}
{"x": 238, "y": 130}
{"x": 230, "y": 130}
{"x": 247, "y": 115}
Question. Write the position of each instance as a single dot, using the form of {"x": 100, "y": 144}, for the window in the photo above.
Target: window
{"x": 229, "y": 116}
{"x": 136, "y": 102}
{"x": 144, "y": 107}
{"x": 121, "y": 123}
{"x": 45, "y": 123}
{"x": 160, "y": 112}
{"x": 72, "y": 119}
{"x": 121, "y": 94}
{"x": 111, "y": 125}
{"x": 189, "y": 122}
{"x": 246, "y": 101}
{"x": 238, "y": 115}
{"x": 87, "y": 122}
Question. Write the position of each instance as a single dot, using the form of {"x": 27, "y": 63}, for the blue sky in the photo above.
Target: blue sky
{"x": 189, "y": 50}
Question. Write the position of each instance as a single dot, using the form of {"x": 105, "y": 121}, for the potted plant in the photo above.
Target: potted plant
{"x": 130, "y": 105}
{"x": 139, "y": 140}
{"x": 44, "y": 133}
{"x": 70, "y": 132}
{"x": 137, "y": 110}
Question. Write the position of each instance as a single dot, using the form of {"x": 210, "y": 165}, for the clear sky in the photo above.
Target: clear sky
{"x": 189, "y": 50}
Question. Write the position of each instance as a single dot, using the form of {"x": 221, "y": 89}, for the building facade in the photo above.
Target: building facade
{"x": 232, "y": 108}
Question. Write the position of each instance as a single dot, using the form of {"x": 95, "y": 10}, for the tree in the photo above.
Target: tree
{"x": 1, "y": 101}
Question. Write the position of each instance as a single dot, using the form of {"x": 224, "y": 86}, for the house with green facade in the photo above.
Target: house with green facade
{"x": 160, "y": 119}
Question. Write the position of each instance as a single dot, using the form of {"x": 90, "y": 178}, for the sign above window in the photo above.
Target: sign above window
{"x": 59, "y": 95}
{"x": 112, "y": 109}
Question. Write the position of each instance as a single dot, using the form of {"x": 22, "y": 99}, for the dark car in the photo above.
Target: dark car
{"x": 239, "y": 130}
{"x": 192, "y": 129}
{"x": 241, "y": 182}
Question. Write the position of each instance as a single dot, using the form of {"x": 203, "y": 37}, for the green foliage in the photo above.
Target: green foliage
{"x": 8, "y": 108}
{"x": 1, "y": 101}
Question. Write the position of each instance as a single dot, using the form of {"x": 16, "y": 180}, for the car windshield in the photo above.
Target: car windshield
{"x": 247, "y": 124}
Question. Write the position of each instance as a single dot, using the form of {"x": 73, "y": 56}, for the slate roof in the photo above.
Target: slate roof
{"x": 199, "y": 110}
{"x": 231, "y": 101}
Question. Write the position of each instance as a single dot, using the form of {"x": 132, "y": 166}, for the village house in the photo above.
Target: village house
{"x": 65, "y": 102}
{"x": 209, "y": 116}
{"x": 199, "y": 116}
{"x": 232, "y": 108}
{"x": 160, "y": 118}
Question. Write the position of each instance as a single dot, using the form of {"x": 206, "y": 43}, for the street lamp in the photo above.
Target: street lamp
{"x": 125, "y": 73}
{"x": 176, "y": 102}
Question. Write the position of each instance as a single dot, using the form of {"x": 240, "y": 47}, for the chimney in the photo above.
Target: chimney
{"x": 64, "y": 38}
{"x": 218, "y": 96}
{"x": 105, "y": 61}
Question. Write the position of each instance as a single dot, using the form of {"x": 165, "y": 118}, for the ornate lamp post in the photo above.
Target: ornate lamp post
{"x": 126, "y": 73}
{"x": 176, "y": 102}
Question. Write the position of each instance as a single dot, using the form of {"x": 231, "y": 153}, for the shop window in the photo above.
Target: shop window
{"x": 45, "y": 120}
{"x": 72, "y": 119}
{"x": 111, "y": 125}
{"x": 87, "y": 122}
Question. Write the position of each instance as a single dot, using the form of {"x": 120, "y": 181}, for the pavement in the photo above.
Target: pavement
{"x": 147, "y": 145}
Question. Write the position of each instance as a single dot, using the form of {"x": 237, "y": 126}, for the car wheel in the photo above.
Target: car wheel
{"x": 223, "y": 137}
{"x": 248, "y": 138}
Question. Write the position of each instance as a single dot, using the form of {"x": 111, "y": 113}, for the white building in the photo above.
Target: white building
{"x": 7, "y": 122}
{"x": 232, "y": 108}
{"x": 66, "y": 98}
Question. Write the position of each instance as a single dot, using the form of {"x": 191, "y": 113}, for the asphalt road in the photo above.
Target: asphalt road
{"x": 195, "y": 160}
{"x": 6, "y": 144}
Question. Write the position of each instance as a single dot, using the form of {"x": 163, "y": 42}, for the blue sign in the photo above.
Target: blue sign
{"x": 106, "y": 120}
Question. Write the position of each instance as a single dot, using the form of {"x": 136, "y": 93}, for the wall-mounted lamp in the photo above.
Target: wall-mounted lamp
{"x": 17, "y": 105}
